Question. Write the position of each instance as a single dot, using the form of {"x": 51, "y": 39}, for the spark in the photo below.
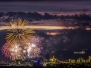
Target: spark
{"x": 16, "y": 35}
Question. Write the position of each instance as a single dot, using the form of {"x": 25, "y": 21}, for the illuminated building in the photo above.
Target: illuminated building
{"x": 89, "y": 58}
{"x": 80, "y": 60}
{"x": 53, "y": 59}
{"x": 72, "y": 61}
{"x": 82, "y": 52}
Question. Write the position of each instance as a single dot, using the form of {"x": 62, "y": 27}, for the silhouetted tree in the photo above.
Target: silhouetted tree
{"x": 47, "y": 16}
{"x": 11, "y": 14}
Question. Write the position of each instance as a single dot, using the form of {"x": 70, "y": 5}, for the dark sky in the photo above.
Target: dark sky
{"x": 42, "y": 0}
{"x": 2, "y": 41}
{"x": 45, "y": 6}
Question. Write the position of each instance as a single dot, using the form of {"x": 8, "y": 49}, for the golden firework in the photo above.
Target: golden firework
{"x": 18, "y": 34}
{"x": 19, "y": 22}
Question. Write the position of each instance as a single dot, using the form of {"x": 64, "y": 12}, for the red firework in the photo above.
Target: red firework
{"x": 5, "y": 50}
{"x": 15, "y": 51}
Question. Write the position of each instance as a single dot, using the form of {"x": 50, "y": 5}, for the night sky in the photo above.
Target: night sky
{"x": 2, "y": 41}
{"x": 72, "y": 40}
{"x": 45, "y": 6}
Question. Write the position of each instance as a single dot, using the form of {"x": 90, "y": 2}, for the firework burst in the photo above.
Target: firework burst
{"x": 17, "y": 34}
{"x": 13, "y": 51}
{"x": 16, "y": 51}
{"x": 21, "y": 43}
{"x": 16, "y": 23}
{"x": 33, "y": 48}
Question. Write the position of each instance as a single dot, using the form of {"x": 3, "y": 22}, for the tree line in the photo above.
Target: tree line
{"x": 80, "y": 19}
{"x": 46, "y": 16}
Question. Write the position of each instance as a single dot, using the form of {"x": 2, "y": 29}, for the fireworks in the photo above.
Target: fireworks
{"x": 34, "y": 48}
{"x": 16, "y": 23}
{"x": 16, "y": 51}
{"x": 21, "y": 43}
{"x": 13, "y": 52}
{"x": 18, "y": 35}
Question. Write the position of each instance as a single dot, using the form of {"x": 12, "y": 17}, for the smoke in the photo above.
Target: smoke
{"x": 52, "y": 44}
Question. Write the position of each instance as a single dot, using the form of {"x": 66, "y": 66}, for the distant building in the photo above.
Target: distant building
{"x": 82, "y": 52}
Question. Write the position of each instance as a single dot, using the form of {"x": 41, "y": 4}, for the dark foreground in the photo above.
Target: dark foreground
{"x": 81, "y": 66}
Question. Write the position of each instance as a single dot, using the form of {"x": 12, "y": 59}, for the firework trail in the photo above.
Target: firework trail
{"x": 20, "y": 35}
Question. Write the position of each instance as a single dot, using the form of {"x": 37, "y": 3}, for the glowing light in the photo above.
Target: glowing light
{"x": 16, "y": 51}
{"x": 13, "y": 51}
{"x": 33, "y": 45}
{"x": 34, "y": 48}
{"x": 18, "y": 35}
{"x": 13, "y": 25}
{"x": 15, "y": 48}
{"x": 82, "y": 52}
